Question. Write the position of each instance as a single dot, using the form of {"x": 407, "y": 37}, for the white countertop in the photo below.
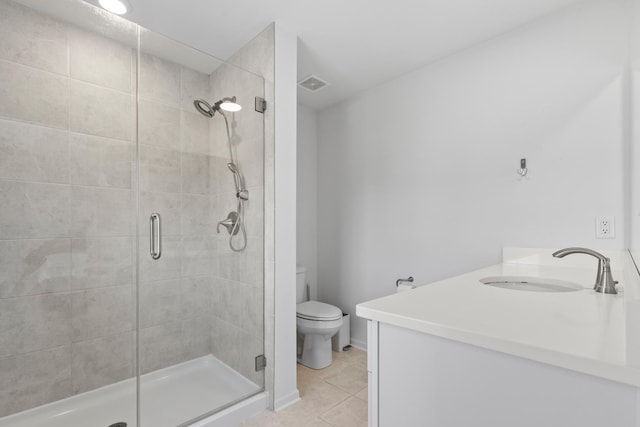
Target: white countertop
{"x": 583, "y": 331}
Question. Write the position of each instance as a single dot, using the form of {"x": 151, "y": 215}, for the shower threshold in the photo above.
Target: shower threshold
{"x": 169, "y": 397}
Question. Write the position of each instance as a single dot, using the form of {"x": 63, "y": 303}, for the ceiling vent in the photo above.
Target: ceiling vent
{"x": 313, "y": 83}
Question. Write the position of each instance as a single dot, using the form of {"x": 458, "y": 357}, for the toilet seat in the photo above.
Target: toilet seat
{"x": 318, "y": 311}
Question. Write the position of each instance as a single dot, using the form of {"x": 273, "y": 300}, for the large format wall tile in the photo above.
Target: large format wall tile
{"x": 160, "y": 346}
{"x": 194, "y": 132}
{"x": 196, "y": 219}
{"x": 196, "y": 297}
{"x": 11, "y": 208}
{"x": 101, "y": 212}
{"x": 159, "y": 169}
{"x": 45, "y": 211}
{"x": 99, "y": 111}
{"x": 102, "y": 361}
{"x": 45, "y": 266}
{"x": 34, "y": 323}
{"x": 195, "y": 173}
{"x": 110, "y": 68}
{"x": 225, "y": 338}
{"x": 30, "y": 38}
{"x": 159, "y": 80}
{"x": 100, "y": 161}
{"x": 10, "y": 267}
{"x": 196, "y": 256}
{"x": 227, "y": 301}
{"x": 252, "y": 310}
{"x": 196, "y": 337}
{"x": 159, "y": 125}
{"x": 159, "y": 302}
{"x": 35, "y": 379}
{"x": 32, "y": 95}
{"x": 33, "y": 153}
{"x": 100, "y": 312}
{"x": 100, "y": 262}
{"x": 193, "y": 85}
{"x": 244, "y": 267}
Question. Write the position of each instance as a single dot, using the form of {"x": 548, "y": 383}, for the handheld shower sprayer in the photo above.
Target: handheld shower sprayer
{"x": 238, "y": 180}
{"x": 234, "y": 222}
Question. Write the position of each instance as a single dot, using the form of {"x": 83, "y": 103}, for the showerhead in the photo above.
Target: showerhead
{"x": 204, "y": 108}
{"x": 208, "y": 110}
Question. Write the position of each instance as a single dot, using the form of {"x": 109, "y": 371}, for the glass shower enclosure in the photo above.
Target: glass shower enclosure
{"x": 131, "y": 224}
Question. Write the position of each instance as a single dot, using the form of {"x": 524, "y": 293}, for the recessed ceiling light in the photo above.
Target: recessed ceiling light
{"x": 119, "y": 7}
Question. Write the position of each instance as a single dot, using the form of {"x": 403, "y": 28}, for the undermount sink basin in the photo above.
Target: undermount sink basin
{"x": 531, "y": 284}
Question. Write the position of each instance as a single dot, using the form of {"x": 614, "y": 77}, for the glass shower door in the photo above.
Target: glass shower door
{"x": 67, "y": 231}
{"x": 200, "y": 312}
{"x": 101, "y": 149}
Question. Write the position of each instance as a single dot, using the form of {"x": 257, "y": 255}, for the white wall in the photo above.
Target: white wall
{"x": 285, "y": 388}
{"x": 418, "y": 176}
{"x": 307, "y": 206}
{"x": 634, "y": 151}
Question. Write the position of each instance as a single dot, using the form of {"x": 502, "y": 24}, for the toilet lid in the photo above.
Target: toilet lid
{"x": 314, "y": 310}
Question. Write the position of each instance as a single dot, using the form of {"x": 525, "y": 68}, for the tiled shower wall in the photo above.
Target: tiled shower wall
{"x": 175, "y": 291}
{"x": 67, "y": 109}
{"x": 67, "y": 206}
{"x": 238, "y": 279}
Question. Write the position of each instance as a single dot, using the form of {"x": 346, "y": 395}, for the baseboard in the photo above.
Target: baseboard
{"x": 360, "y": 345}
{"x": 286, "y": 401}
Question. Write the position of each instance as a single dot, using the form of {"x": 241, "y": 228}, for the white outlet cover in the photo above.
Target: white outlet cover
{"x": 605, "y": 227}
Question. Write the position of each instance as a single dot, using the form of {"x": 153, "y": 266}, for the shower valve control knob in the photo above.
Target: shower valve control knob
{"x": 229, "y": 223}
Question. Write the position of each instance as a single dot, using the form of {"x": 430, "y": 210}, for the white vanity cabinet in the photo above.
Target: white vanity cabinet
{"x": 416, "y": 379}
{"x": 459, "y": 353}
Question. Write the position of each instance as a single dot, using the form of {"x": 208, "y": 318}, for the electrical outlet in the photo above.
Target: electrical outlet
{"x": 605, "y": 227}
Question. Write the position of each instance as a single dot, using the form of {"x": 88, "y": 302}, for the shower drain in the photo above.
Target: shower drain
{"x": 118, "y": 425}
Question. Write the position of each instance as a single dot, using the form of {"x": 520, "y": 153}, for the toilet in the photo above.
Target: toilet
{"x": 316, "y": 323}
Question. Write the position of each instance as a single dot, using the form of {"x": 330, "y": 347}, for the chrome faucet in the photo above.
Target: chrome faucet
{"x": 604, "y": 281}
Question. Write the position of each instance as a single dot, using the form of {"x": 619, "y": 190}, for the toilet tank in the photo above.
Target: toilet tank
{"x": 301, "y": 284}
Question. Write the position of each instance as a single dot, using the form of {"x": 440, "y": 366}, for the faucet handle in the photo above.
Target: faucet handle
{"x": 229, "y": 223}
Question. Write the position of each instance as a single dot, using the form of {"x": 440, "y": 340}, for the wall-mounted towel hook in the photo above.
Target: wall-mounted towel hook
{"x": 408, "y": 279}
{"x": 523, "y": 167}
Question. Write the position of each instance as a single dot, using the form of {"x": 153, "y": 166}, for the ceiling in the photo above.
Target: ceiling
{"x": 352, "y": 44}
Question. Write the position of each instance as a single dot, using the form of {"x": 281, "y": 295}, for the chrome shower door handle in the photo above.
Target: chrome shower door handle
{"x": 155, "y": 241}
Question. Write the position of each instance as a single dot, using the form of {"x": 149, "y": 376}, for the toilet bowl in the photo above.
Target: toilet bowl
{"x": 316, "y": 323}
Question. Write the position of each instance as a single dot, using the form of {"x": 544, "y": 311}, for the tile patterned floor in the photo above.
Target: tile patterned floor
{"x": 334, "y": 396}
